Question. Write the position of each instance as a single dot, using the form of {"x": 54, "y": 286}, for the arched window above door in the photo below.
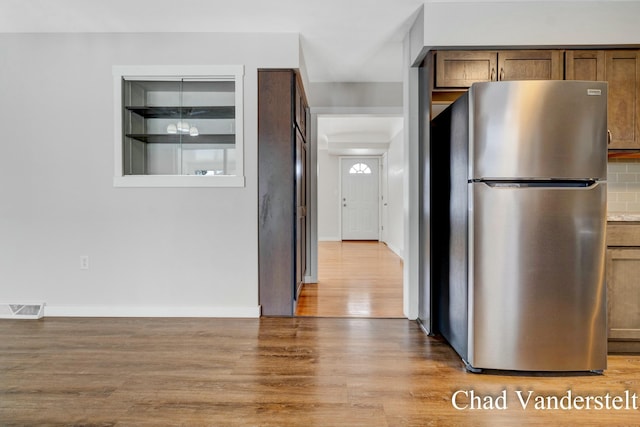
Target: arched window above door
{"x": 360, "y": 168}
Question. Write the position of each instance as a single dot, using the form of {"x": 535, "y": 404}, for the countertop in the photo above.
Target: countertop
{"x": 623, "y": 216}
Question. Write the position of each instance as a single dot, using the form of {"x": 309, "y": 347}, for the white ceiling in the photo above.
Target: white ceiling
{"x": 342, "y": 40}
{"x": 357, "y": 134}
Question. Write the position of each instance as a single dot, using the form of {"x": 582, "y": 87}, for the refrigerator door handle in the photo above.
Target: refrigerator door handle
{"x": 587, "y": 184}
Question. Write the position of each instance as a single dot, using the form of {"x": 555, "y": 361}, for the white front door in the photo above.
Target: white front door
{"x": 360, "y": 197}
{"x": 384, "y": 197}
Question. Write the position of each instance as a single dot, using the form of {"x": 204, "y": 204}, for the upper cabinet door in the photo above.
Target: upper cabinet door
{"x": 584, "y": 65}
{"x": 623, "y": 74}
{"x": 530, "y": 65}
{"x": 460, "y": 69}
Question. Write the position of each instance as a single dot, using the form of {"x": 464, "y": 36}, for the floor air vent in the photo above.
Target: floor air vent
{"x": 21, "y": 311}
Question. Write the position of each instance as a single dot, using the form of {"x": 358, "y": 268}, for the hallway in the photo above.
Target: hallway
{"x": 356, "y": 279}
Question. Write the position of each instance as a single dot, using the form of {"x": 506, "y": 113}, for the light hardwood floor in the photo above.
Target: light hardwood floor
{"x": 267, "y": 372}
{"x": 355, "y": 279}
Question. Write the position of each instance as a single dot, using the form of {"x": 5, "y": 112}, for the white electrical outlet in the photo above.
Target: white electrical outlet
{"x": 84, "y": 262}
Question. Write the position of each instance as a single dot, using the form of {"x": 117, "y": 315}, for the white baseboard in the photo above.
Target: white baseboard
{"x": 395, "y": 250}
{"x": 149, "y": 311}
{"x": 329, "y": 239}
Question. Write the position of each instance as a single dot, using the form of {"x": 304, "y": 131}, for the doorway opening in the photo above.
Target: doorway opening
{"x": 359, "y": 161}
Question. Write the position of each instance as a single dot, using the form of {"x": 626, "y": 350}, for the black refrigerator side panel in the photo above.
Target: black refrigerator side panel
{"x": 459, "y": 226}
{"x": 440, "y": 190}
{"x": 449, "y": 222}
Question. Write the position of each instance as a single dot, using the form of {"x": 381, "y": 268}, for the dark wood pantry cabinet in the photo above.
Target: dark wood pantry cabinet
{"x": 282, "y": 190}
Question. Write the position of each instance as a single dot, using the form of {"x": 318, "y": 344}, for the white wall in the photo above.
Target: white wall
{"x": 352, "y": 94}
{"x": 531, "y": 23}
{"x": 395, "y": 199}
{"x": 411, "y": 188}
{"x": 152, "y": 251}
{"x": 328, "y": 196}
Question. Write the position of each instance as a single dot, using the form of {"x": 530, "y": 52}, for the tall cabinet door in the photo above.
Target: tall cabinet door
{"x": 276, "y": 172}
{"x": 301, "y": 212}
{"x": 623, "y": 75}
{"x": 282, "y": 191}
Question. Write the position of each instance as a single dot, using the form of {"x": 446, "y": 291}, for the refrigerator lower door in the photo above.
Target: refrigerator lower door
{"x": 537, "y": 297}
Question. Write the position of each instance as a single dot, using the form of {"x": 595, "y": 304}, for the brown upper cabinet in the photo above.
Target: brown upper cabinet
{"x": 460, "y": 69}
{"x": 621, "y": 69}
{"x": 584, "y": 65}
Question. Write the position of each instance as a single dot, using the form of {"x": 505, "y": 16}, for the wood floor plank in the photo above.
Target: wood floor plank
{"x": 300, "y": 371}
{"x": 355, "y": 279}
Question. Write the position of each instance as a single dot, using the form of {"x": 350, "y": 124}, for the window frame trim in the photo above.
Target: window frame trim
{"x": 172, "y": 72}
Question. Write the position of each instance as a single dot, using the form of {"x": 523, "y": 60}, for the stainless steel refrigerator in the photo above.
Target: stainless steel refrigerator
{"x": 518, "y": 217}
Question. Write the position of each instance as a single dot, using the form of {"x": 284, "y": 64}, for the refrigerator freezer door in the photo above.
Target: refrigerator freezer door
{"x": 538, "y": 129}
{"x": 537, "y": 291}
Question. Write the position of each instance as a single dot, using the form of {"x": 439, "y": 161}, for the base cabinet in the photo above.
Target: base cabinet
{"x": 623, "y": 287}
